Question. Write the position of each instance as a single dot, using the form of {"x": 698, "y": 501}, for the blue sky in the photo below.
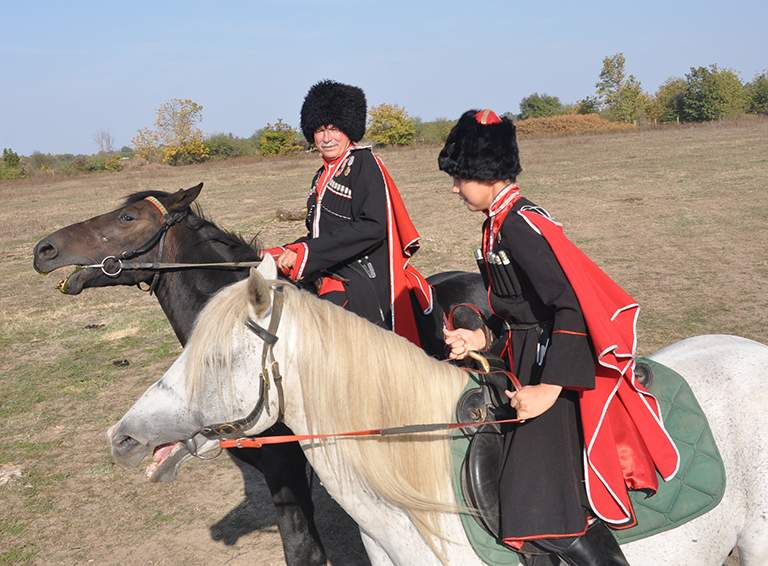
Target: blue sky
{"x": 69, "y": 69}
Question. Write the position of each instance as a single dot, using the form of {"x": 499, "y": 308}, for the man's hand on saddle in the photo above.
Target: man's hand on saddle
{"x": 462, "y": 341}
{"x": 533, "y": 400}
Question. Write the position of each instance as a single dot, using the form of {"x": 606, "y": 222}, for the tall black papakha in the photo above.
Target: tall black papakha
{"x": 341, "y": 105}
{"x": 482, "y": 147}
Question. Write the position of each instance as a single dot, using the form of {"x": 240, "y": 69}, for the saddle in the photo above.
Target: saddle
{"x": 482, "y": 464}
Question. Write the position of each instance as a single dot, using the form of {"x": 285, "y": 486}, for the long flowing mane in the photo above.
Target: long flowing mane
{"x": 354, "y": 375}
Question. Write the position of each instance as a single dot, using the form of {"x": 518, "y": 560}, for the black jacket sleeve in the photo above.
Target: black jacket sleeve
{"x": 569, "y": 358}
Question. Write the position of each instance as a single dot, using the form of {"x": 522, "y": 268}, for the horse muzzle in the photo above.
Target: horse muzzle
{"x": 126, "y": 450}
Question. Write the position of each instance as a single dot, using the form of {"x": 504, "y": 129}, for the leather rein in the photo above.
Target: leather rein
{"x": 230, "y": 434}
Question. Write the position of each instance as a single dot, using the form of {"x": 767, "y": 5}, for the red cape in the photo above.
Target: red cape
{"x": 625, "y": 441}
{"x": 403, "y": 240}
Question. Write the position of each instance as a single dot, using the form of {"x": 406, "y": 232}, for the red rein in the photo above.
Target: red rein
{"x": 258, "y": 442}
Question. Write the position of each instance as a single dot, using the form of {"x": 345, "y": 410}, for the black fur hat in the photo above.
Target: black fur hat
{"x": 329, "y": 102}
{"x": 481, "y": 146}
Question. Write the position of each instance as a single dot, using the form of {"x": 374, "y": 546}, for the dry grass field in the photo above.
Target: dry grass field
{"x": 677, "y": 216}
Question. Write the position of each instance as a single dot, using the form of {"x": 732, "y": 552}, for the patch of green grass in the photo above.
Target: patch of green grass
{"x": 38, "y": 488}
{"x": 22, "y": 554}
{"x": 82, "y": 372}
{"x": 160, "y": 518}
{"x": 103, "y": 469}
{"x": 20, "y": 396}
{"x": 11, "y": 336}
{"x": 11, "y": 527}
{"x": 22, "y": 450}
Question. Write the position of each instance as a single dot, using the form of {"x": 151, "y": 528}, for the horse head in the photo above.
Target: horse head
{"x": 215, "y": 380}
{"x": 135, "y": 229}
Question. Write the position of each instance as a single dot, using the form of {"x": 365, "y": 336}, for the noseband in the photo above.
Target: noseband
{"x": 237, "y": 428}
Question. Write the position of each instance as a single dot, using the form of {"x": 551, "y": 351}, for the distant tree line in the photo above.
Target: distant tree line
{"x": 703, "y": 94}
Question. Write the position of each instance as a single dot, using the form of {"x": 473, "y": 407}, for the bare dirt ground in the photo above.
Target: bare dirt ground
{"x": 676, "y": 216}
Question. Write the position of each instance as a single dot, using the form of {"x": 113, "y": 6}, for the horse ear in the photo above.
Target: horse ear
{"x": 258, "y": 292}
{"x": 267, "y": 267}
{"x": 181, "y": 199}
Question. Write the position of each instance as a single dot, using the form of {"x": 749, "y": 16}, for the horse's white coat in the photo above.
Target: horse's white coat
{"x": 726, "y": 373}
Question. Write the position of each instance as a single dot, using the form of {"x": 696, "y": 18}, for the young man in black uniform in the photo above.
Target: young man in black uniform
{"x": 545, "y": 342}
{"x": 360, "y": 236}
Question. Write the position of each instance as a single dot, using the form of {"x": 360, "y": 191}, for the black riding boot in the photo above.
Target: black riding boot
{"x": 597, "y": 547}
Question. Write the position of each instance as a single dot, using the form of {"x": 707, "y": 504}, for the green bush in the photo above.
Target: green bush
{"x": 711, "y": 94}
{"x": 627, "y": 103}
{"x": 225, "y": 146}
{"x": 10, "y": 166}
{"x": 669, "y": 100}
{"x": 77, "y": 165}
{"x": 587, "y": 105}
{"x": 104, "y": 162}
{"x": 434, "y": 132}
{"x": 44, "y": 162}
{"x": 757, "y": 94}
{"x": 278, "y": 139}
{"x": 390, "y": 124}
{"x": 7, "y": 173}
{"x": 10, "y": 158}
{"x": 540, "y": 106}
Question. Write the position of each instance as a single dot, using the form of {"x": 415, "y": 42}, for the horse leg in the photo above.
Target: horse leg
{"x": 285, "y": 471}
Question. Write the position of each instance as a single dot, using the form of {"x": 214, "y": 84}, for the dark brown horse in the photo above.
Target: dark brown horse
{"x": 142, "y": 231}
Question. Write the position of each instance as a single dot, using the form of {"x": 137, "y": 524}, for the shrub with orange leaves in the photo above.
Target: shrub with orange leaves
{"x": 568, "y": 124}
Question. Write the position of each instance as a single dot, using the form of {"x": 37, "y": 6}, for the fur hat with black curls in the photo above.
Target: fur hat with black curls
{"x": 481, "y": 146}
{"x": 329, "y": 102}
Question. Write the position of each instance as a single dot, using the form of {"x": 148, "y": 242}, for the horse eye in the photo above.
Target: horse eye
{"x": 125, "y": 217}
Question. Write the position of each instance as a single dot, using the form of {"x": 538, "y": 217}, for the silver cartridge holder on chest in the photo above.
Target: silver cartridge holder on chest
{"x": 504, "y": 288}
{"x": 508, "y": 274}
{"x": 481, "y": 266}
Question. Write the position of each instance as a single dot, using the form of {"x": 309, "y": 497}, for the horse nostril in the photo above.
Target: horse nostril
{"x": 46, "y": 250}
{"x": 125, "y": 443}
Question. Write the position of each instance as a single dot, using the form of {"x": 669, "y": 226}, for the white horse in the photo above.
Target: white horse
{"x": 341, "y": 373}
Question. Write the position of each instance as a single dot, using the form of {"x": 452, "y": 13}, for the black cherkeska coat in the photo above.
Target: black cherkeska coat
{"x": 347, "y": 236}
{"x": 544, "y": 341}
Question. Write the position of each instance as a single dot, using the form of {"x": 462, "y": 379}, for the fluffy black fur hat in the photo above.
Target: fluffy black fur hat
{"x": 329, "y": 102}
{"x": 481, "y": 146}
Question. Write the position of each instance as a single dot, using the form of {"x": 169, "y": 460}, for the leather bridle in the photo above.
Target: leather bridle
{"x": 237, "y": 428}
{"x": 112, "y": 266}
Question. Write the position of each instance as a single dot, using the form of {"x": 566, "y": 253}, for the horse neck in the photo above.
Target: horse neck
{"x": 343, "y": 477}
{"x": 182, "y": 294}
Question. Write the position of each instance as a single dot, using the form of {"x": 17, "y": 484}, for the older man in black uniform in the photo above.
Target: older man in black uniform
{"x": 360, "y": 236}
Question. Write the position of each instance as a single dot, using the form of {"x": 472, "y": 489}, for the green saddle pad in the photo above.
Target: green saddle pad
{"x": 696, "y": 489}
